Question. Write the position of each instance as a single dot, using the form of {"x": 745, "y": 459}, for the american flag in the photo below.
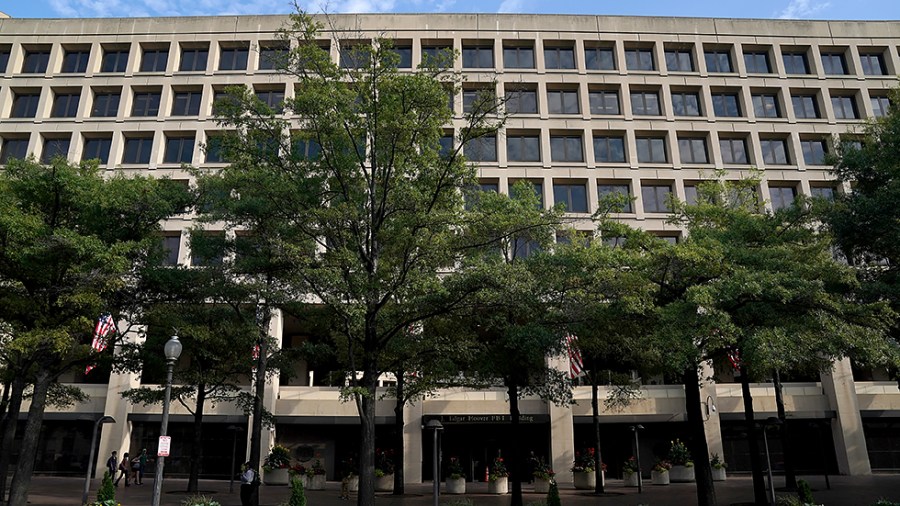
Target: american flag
{"x": 734, "y": 358}
{"x": 105, "y": 326}
{"x": 576, "y": 364}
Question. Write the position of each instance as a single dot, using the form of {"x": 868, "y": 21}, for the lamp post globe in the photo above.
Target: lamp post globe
{"x": 172, "y": 349}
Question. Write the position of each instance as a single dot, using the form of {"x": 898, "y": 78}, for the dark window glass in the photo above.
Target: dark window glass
{"x": 523, "y": 248}
{"x": 521, "y": 102}
{"x": 13, "y": 149}
{"x": 604, "y": 190}
{"x": 572, "y": 196}
{"x": 718, "y": 61}
{"x": 686, "y": 104}
{"x": 609, "y": 149}
{"x": 65, "y": 105}
{"x": 154, "y": 60}
{"x": 805, "y": 106}
{"x": 795, "y": 63}
{"x": 478, "y": 57}
{"x": 766, "y": 106}
{"x": 757, "y": 62}
{"x": 782, "y": 196}
{"x": 482, "y": 149}
{"x": 179, "y": 150}
{"x": 726, "y": 105}
{"x": 186, "y": 103}
{"x": 656, "y": 198}
{"x": 645, "y": 103}
{"x": 481, "y": 97}
{"x": 271, "y": 56}
{"x": 404, "y": 54}
{"x": 137, "y": 150}
{"x": 54, "y": 147}
{"x": 446, "y": 146}
{"x": 844, "y": 107}
{"x": 518, "y": 57}
{"x": 604, "y": 102}
{"x": 651, "y": 149}
{"x": 823, "y": 192}
{"x": 639, "y": 59}
{"x": 690, "y": 194}
{"x": 693, "y": 150}
{"x": 834, "y": 64}
{"x": 193, "y": 59}
{"x": 36, "y": 61}
{"x": 106, "y": 104}
{"x": 559, "y": 57}
{"x": 566, "y": 148}
{"x": 599, "y": 58}
{"x": 25, "y": 104}
{"x": 4, "y": 60}
{"x": 523, "y": 148}
{"x": 774, "y": 151}
{"x": 171, "y": 245}
{"x": 97, "y": 148}
{"x": 233, "y": 58}
{"x": 356, "y": 56}
{"x": 213, "y": 149}
{"x": 75, "y": 62}
{"x": 880, "y": 106}
{"x": 433, "y": 54}
{"x": 813, "y": 151}
{"x": 274, "y": 99}
{"x": 679, "y": 60}
{"x": 872, "y": 64}
{"x": 146, "y": 103}
{"x": 734, "y": 151}
{"x": 563, "y": 102}
{"x": 114, "y": 60}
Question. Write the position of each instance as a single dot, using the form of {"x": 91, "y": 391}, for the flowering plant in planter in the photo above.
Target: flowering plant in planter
{"x": 630, "y": 466}
{"x": 717, "y": 463}
{"x": 543, "y": 471}
{"x": 384, "y": 462}
{"x": 584, "y": 461}
{"x": 455, "y": 469}
{"x": 297, "y": 470}
{"x": 662, "y": 466}
{"x": 279, "y": 458}
{"x": 679, "y": 454}
{"x": 498, "y": 470}
{"x": 315, "y": 468}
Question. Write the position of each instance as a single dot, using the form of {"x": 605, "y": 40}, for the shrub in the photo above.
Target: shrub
{"x": 498, "y": 470}
{"x": 679, "y": 455}
{"x": 199, "y": 500}
{"x": 298, "y": 494}
{"x": 553, "y": 495}
{"x": 804, "y": 492}
{"x": 885, "y": 502}
{"x": 279, "y": 458}
{"x": 716, "y": 462}
{"x": 460, "y": 502}
{"x": 455, "y": 469}
{"x": 107, "y": 490}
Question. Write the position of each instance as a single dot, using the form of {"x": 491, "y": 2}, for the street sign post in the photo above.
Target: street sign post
{"x": 165, "y": 444}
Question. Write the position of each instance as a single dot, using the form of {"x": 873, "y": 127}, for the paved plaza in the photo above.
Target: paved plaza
{"x": 845, "y": 490}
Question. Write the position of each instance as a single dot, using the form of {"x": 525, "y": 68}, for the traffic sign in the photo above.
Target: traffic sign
{"x": 165, "y": 444}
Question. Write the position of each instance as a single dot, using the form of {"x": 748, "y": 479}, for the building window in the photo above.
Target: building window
{"x": 639, "y": 59}
{"x": 114, "y": 60}
{"x": 686, "y": 104}
{"x": 566, "y": 148}
{"x": 478, "y": 57}
{"x": 693, "y": 150}
{"x": 822, "y": 192}
{"x": 563, "y": 102}
{"x": 213, "y": 148}
{"x": 106, "y": 104}
{"x": 734, "y": 151}
{"x": 171, "y": 246}
{"x": 137, "y": 150}
{"x": 193, "y": 59}
{"x": 573, "y": 196}
{"x": 53, "y": 147}
{"x": 606, "y": 190}
{"x": 146, "y": 103}
{"x": 795, "y": 63}
{"x": 679, "y": 60}
{"x": 872, "y": 64}
{"x": 599, "y": 58}
{"x": 880, "y": 106}
{"x": 782, "y": 196}
{"x": 272, "y": 56}
{"x": 212, "y": 251}
{"x": 97, "y": 148}
{"x": 482, "y": 149}
{"x": 609, "y": 149}
{"x": 154, "y": 60}
{"x": 718, "y": 61}
{"x": 4, "y": 59}
{"x": 523, "y": 247}
{"x": 834, "y": 64}
{"x": 521, "y": 102}
{"x": 757, "y": 62}
{"x": 25, "y": 104}
{"x": 13, "y": 149}
{"x": 523, "y": 148}
{"x": 75, "y": 61}
{"x": 726, "y": 105}
{"x": 805, "y": 106}
{"x": 813, "y": 151}
{"x": 651, "y": 149}
{"x": 36, "y": 61}
{"x": 274, "y": 99}
{"x": 186, "y": 103}
{"x": 179, "y": 149}
{"x": 844, "y": 107}
{"x": 774, "y": 151}
{"x": 656, "y": 198}
{"x": 355, "y": 56}
{"x": 404, "y": 56}
{"x": 437, "y": 54}
{"x": 233, "y": 58}
{"x": 479, "y": 99}
{"x": 559, "y": 57}
{"x": 766, "y": 106}
{"x": 645, "y": 103}
{"x": 65, "y": 105}
{"x": 446, "y": 146}
{"x": 518, "y": 57}
{"x": 604, "y": 103}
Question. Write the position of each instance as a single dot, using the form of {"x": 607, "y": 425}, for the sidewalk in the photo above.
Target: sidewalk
{"x": 845, "y": 490}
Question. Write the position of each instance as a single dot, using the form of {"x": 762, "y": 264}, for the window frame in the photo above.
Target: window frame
{"x": 25, "y": 104}
{"x": 599, "y": 58}
{"x": 813, "y": 156}
{"x": 184, "y": 149}
{"x": 840, "y": 103}
{"x": 652, "y": 145}
{"x": 752, "y": 59}
{"x": 566, "y": 189}
{"x": 193, "y": 59}
{"x": 691, "y": 143}
{"x": 159, "y": 61}
{"x": 518, "y": 144}
{"x": 233, "y": 56}
{"x": 70, "y": 109}
{"x": 806, "y": 101}
{"x": 659, "y": 194}
{"x": 636, "y": 59}
{"x": 604, "y": 189}
{"x": 103, "y": 151}
{"x": 717, "y": 56}
{"x": 678, "y": 56}
{"x": 478, "y": 52}
{"x": 642, "y": 106}
{"x": 116, "y": 62}
{"x": 141, "y": 146}
{"x": 562, "y": 97}
{"x": 771, "y": 153}
{"x": 603, "y": 99}
{"x": 570, "y": 152}
{"x": 791, "y": 60}
{"x": 679, "y": 107}
{"x": 111, "y": 101}
{"x": 36, "y": 61}
{"x": 764, "y": 105}
{"x": 828, "y": 59}
{"x": 720, "y": 100}
{"x": 731, "y": 142}
{"x": 53, "y": 146}
{"x": 147, "y": 100}
{"x": 11, "y": 147}
{"x": 79, "y": 65}
{"x": 558, "y": 52}
{"x": 516, "y": 57}
{"x": 605, "y": 142}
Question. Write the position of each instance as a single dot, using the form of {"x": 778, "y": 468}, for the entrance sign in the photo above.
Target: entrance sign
{"x": 165, "y": 444}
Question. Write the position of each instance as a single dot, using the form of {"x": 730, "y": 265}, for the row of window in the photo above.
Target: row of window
{"x": 517, "y": 54}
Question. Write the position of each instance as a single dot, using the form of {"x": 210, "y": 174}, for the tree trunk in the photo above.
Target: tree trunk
{"x": 759, "y": 485}
{"x": 197, "y": 446}
{"x": 366, "y": 406}
{"x": 706, "y": 491}
{"x": 21, "y": 482}
{"x": 515, "y": 460}
{"x": 399, "y": 459}
{"x": 10, "y": 426}
{"x": 595, "y": 417}
{"x": 790, "y": 477}
{"x": 260, "y": 389}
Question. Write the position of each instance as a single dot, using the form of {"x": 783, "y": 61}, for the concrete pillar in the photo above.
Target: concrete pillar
{"x": 412, "y": 442}
{"x": 268, "y": 437}
{"x": 847, "y": 430}
{"x": 711, "y": 425}
{"x": 562, "y": 432}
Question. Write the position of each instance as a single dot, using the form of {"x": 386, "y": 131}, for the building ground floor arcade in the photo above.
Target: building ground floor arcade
{"x": 836, "y": 424}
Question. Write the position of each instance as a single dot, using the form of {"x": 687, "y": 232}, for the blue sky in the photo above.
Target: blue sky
{"x": 801, "y": 9}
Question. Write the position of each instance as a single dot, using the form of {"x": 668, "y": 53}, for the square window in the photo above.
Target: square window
{"x": 75, "y": 61}
{"x": 757, "y": 62}
{"x": 271, "y": 57}
{"x": 404, "y": 56}
{"x": 563, "y": 102}
{"x": 679, "y": 60}
{"x": 146, "y": 103}
{"x": 686, "y": 104}
{"x": 559, "y": 57}
{"x": 726, "y": 105}
{"x": 480, "y": 98}
{"x": 213, "y": 148}
{"x": 171, "y": 246}
{"x": 194, "y": 59}
{"x": 306, "y": 149}
{"x": 53, "y": 147}
{"x": 604, "y": 103}
{"x": 437, "y": 54}
{"x": 65, "y": 105}
{"x": 36, "y": 61}
{"x": 639, "y": 59}
{"x": 523, "y": 148}
{"x": 834, "y": 64}
{"x": 766, "y": 106}
{"x": 106, "y": 104}
{"x": 482, "y": 149}
{"x": 844, "y": 107}
{"x": 518, "y": 57}
{"x": 521, "y": 102}
{"x": 609, "y": 149}
{"x": 718, "y": 61}
{"x": 25, "y": 104}
{"x": 13, "y": 149}
{"x": 774, "y": 151}
{"x": 445, "y": 149}
{"x": 651, "y": 149}
{"x": 872, "y": 64}
{"x": 605, "y": 190}
{"x": 137, "y": 150}
{"x": 656, "y": 198}
{"x": 97, "y": 148}
{"x": 692, "y": 150}
{"x": 823, "y": 192}
{"x": 154, "y": 60}
{"x": 734, "y": 151}
{"x": 880, "y": 106}
{"x": 114, "y": 60}
{"x": 4, "y": 59}
{"x": 478, "y": 57}
{"x": 233, "y": 58}
{"x": 795, "y": 63}
{"x": 179, "y": 149}
{"x": 782, "y": 196}
{"x": 645, "y": 103}
{"x": 599, "y": 58}
{"x": 186, "y": 103}
{"x": 813, "y": 151}
{"x": 523, "y": 248}
{"x": 274, "y": 99}
{"x": 805, "y": 106}
{"x": 573, "y": 196}
{"x": 566, "y": 148}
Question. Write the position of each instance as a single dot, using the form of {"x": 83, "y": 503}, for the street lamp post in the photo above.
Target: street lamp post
{"x": 770, "y": 421}
{"x": 172, "y": 350}
{"x": 436, "y": 426}
{"x": 637, "y": 455}
{"x": 90, "y": 463}
{"x": 234, "y": 432}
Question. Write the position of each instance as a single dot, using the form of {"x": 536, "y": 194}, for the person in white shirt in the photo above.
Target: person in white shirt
{"x": 249, "y": 484}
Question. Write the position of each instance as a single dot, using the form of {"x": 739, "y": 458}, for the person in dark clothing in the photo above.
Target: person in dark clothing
{"x": 125, "y": 468}
{"x": 249, "y": 486}
{"x": 111, "y": 464}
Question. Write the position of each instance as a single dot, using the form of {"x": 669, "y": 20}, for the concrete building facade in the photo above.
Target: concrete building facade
{"x": 642, "y": 106}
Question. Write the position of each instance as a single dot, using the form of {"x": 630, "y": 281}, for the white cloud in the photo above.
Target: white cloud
{"x": 802, "y": 9}
{"x": 130, "y": 8}
{"x": 511, "y": 6}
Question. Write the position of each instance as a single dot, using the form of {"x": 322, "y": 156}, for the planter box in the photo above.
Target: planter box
{"x": 659, "y": 477}
{"x": 681, "y": 474}
{"x": 585, "y": 481}
{"x": 541, "y": 486}
{"x": 718, "y": 474}
{"x": 316, "y": 482}
{"x": 384, "y": 483}
{"x": 499, "y": 486}
{"x": 276, "y": 477}
{"x": 353, "y": 483}
{"x": 631, "y": 479}
{"x": 456, "y": 486}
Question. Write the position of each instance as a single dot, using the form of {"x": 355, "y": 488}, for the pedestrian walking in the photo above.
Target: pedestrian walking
{"x": 249, "y": 485}
{"x": 142, "y": 461}
{"x": 111, "y": 464}
{"x": 125, "y": 468}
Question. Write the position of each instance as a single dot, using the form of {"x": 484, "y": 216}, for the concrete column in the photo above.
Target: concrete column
{"x": 711, "y": 425}
{"x": 412, "y": 442}
{"x": 268, "y": 436}
{"x": 562, "y": 432}
{"x": 847, "y": 430}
